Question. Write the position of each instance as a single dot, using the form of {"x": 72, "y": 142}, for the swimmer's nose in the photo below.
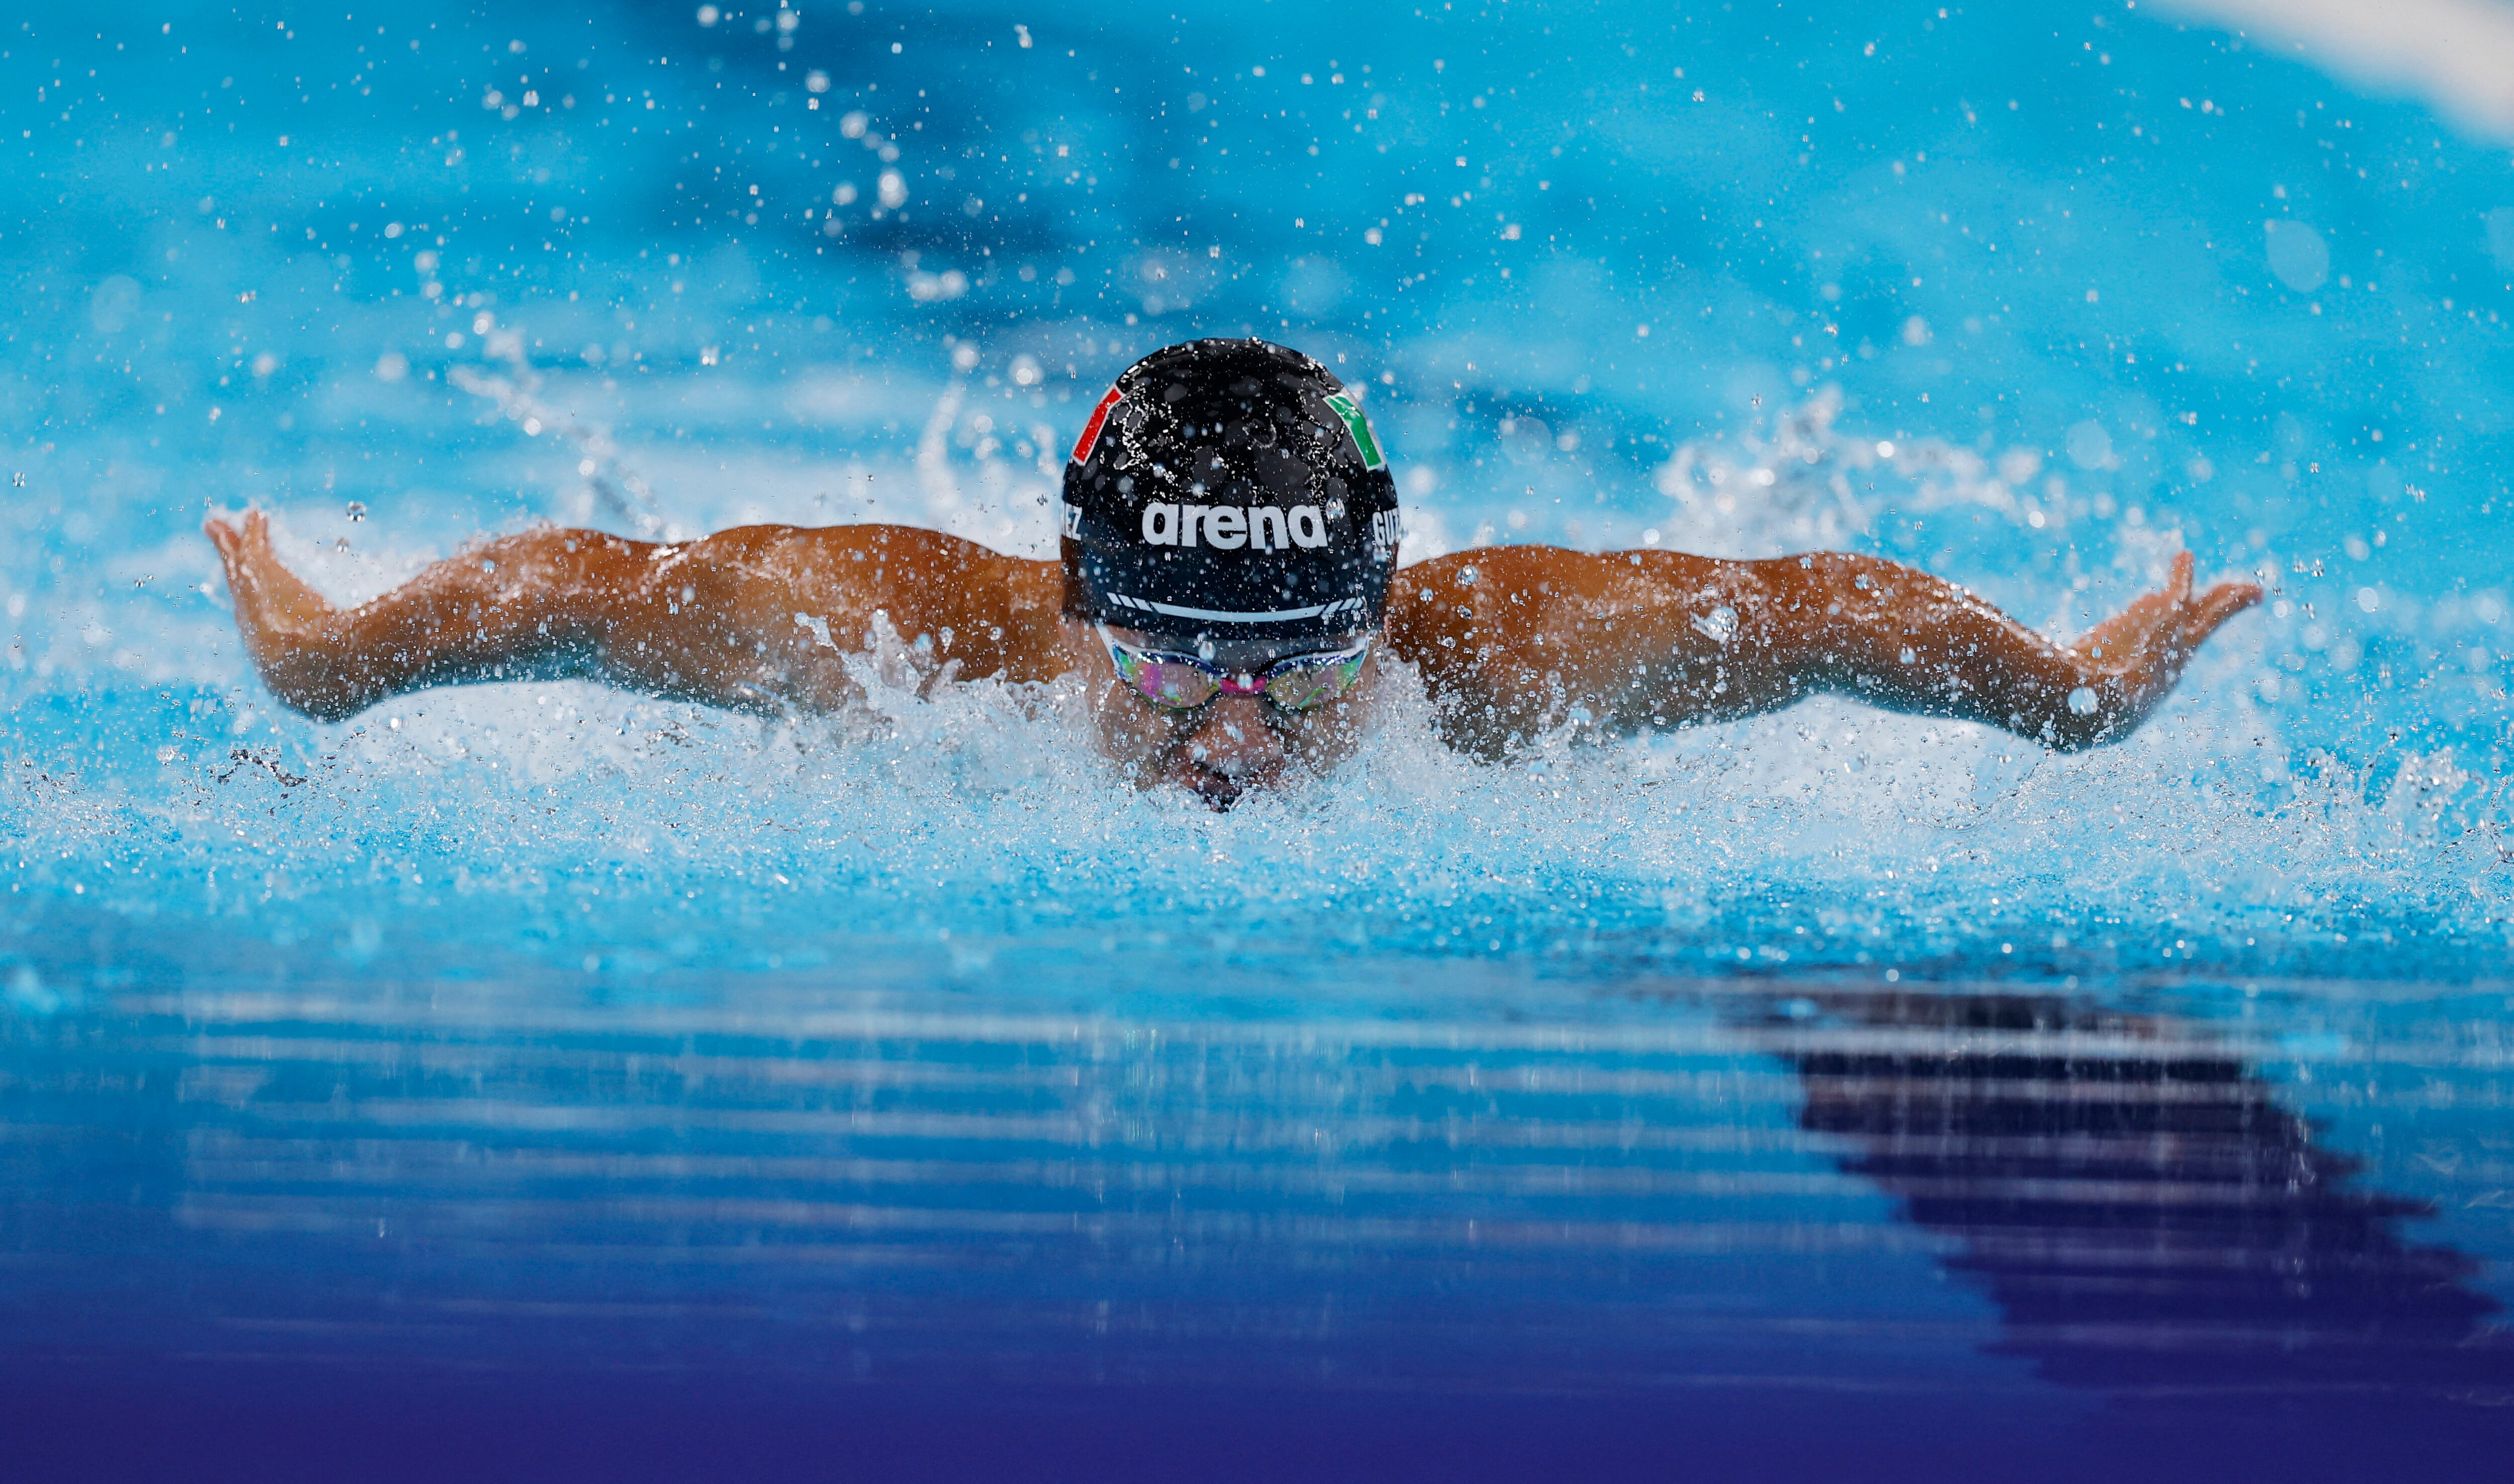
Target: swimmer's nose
{"x": 1233, "y": 739}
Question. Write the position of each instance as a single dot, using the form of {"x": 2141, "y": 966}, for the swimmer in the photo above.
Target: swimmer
{"x": 1227, "y": 586}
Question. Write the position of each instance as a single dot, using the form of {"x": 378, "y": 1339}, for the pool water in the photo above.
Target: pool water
{"x": 528, "y": 1080}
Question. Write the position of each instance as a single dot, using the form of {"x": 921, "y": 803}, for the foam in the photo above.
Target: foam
{"x": 589, "y": 826}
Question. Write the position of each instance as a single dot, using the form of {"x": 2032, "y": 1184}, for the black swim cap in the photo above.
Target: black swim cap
{"x": 1229, "y": 490}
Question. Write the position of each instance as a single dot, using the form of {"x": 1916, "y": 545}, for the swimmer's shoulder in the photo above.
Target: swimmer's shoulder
{"x": 1001, "y": 610}
{"x": 1524, "y": 574}
{"x": 1447, "y": 612}
{"x": 909, "y": 552}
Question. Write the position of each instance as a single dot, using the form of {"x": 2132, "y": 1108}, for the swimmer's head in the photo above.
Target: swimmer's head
{"x": 1228, "y": 506}
{"x": 1229, "y": 491}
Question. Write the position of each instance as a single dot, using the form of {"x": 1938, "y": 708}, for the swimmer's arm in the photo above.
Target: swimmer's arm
{"x": 1900, "y": 638}
{"x": 713, "y": 620}
{"x": 1636, "y": 639}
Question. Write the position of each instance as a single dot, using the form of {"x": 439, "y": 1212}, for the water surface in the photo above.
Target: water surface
{"x": 528, "y": 1078}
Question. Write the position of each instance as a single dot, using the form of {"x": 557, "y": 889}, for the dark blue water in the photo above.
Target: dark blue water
{"x": 529, "y": 1081}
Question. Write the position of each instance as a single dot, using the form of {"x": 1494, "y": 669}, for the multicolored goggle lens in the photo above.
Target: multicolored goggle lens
{"x": 1184, "y": 682}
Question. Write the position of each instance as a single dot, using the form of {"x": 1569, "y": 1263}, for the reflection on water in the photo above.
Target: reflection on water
{"x": 2145, "y": 1212}
{"x": 1681, "y": 1206}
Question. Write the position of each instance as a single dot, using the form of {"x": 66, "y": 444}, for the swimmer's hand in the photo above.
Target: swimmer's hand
{"x": 291, "y": 632}
{"x": 2132, "y": 659}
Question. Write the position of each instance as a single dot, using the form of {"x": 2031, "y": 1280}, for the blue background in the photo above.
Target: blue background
{"x": 582, "y": 1067}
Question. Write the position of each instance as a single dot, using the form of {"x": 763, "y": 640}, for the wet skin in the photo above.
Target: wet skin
{"x": 1511, "y": 642}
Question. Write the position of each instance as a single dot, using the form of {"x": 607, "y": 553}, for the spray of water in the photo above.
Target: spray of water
{"x": 589, "y": 828}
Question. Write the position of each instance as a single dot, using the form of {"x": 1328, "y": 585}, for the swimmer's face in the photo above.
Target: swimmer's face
{"x": 1231, "y": 744}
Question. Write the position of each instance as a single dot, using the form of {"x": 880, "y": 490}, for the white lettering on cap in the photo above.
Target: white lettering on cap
{"x": 1229, "y": 528}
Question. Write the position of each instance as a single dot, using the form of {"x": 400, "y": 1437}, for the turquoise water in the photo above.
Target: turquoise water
{"x": 1765, "y": 1095}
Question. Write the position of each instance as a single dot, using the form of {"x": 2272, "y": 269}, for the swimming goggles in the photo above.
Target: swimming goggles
{"x": 1184, "y": 682}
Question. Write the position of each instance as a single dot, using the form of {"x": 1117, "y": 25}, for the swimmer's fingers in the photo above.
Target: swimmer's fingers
{"x": 253, "y": 528}
{"x": 2138, "y": 619}
{"x": 2203, "y": 615}
{"x": 2163, "y": 613}
{"x": 230, "y": 543}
